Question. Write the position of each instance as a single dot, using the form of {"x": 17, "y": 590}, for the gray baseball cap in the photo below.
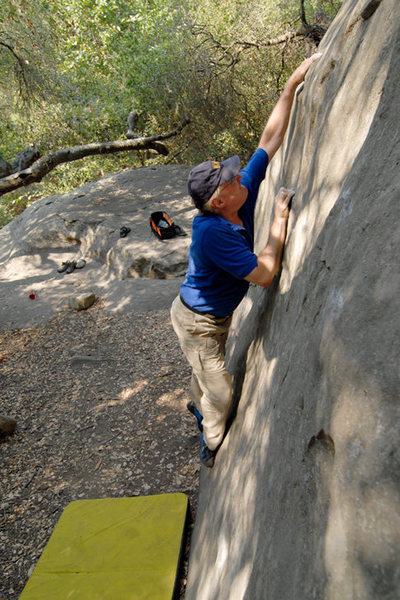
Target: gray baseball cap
{"x": 207, "y": 176}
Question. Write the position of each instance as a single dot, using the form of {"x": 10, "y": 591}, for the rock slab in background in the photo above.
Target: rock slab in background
{"x": 87, "y": 222}
{"x": 135, "y": 273}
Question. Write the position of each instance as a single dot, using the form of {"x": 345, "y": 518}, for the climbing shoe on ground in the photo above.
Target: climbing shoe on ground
{"x": 123, "y": 232}
{"x": 71, "y": 267}
{"x": 207, "y": 456}
{"x": 63, "y": 267}
{"x": 192, "y": 408}
{"x": 80, "y": 263}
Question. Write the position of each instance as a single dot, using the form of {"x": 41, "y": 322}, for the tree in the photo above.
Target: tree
{"x": 27, "y": 60}
{"x": 242, "y": 54}
{"x": 68, "y": 79}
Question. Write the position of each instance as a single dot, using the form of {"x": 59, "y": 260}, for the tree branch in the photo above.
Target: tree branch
{"x": 303, "y": 14}
{"x": 280, "y": 39}
{"x": 22, "y": 71}
{"x": 42, "y": 167}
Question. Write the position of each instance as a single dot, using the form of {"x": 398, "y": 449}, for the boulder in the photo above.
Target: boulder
{"x": 82, "y": 301}
{"x": 136, "y": 272}
{"x": 304, "y": 498}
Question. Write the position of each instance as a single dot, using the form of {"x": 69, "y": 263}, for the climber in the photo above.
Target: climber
{"x": 222, "y": 264}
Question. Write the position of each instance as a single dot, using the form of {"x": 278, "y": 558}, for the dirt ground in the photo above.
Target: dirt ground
{"x": 100, "y": 400}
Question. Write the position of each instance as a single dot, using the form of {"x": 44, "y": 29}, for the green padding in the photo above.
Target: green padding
{"x": 112, "y": 549}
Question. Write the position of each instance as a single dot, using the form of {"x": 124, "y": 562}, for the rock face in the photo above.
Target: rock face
{"x": 304, "y": 498}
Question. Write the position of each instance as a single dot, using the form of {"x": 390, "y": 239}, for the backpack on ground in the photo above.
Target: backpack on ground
{"x": 162, "y": 226}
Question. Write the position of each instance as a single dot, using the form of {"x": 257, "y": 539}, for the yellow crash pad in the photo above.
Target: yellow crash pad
{"x": 112, "y": 549}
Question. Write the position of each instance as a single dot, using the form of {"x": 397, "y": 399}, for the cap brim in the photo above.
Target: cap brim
{"x": 230, "y": 168}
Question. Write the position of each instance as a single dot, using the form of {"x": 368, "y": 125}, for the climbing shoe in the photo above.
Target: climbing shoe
{"x": 179, "y": 231}
{"x": 80, "y": 263}
{"x": 123, "y": 232}
{"x": 207, "y": 456}
{"x": 192, "y": 408}
{"x": 63, "y": 267}
{"x": 71, "y": 267}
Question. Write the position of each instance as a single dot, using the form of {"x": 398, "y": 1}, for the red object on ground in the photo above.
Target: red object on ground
{"x": 32, "y": 295}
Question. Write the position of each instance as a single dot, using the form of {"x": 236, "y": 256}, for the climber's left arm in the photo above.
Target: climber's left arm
{"x": 275, "y": 129}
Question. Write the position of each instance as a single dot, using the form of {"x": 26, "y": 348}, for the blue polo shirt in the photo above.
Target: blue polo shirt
{"x": 221, "y": 253}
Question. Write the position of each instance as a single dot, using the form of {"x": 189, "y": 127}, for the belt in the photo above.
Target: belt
{"x": 198, "y": 311}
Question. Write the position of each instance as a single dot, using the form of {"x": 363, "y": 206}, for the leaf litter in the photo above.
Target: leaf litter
{"x": 100, "y": 402}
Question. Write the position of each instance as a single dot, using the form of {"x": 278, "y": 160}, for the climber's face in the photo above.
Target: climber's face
{"x": 231, "y": 195}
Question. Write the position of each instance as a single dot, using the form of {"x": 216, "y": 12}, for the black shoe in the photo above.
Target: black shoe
{"x": 71, "y": 267}
{"x": 63, "y": 267}
{"x": 199, "y": 417}
{"x": 123, "y": 232}
{"x": 207, "y": 456}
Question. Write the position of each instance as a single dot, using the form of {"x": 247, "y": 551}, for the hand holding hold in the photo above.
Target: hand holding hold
{"x": 283, "y": 203}
{"x": 301, "y": 71}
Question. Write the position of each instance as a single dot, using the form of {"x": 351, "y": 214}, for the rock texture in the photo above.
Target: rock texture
{"x": 83, "y": 301}
{"x": 304, "y": 498}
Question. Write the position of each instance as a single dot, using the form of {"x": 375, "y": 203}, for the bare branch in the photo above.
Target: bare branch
{"x": 303, "y": 14}
{"x": 42, "y": 167}
{"x": 280, "y": 39}
{"x": 21, "y": 70}
{"x": 314, "y": 31}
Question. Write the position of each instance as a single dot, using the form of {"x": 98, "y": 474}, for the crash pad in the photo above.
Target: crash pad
{"x": 113, "y": 549}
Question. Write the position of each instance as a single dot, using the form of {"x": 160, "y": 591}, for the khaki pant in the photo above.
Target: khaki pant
{"x": 202, "y": 339}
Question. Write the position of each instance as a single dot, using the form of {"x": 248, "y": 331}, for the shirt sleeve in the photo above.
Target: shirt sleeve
{"x": 253, "y": 174}
{"x": 227, "y": 249}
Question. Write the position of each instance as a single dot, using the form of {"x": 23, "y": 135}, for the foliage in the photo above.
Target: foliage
{"x": 68, "y": 79}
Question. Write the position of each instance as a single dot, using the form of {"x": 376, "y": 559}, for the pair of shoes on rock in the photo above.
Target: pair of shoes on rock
{"x": 70, "y": 265}
{"x": 67, "y": 267}
{"x": 123, "y": 232}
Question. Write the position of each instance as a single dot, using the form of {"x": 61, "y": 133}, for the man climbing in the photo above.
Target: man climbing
{"x": 222, "y": 263}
